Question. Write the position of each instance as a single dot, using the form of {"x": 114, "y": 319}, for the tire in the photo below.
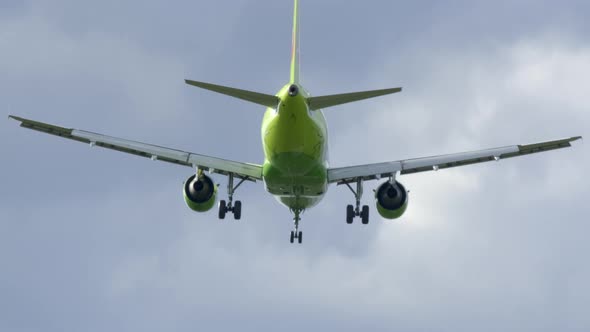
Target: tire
{"x": 349, "y": 214}
{"x": 365, "y": 214}
{"x": 300, "y": 237}
{"x": 238, "y": 210}
{"x": 292, "y": 236}
{"x": 222, "y": 209}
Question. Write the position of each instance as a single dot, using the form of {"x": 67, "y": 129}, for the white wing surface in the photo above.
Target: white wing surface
{"x": 380, "y": 170}
{"x": 207, "y": 163}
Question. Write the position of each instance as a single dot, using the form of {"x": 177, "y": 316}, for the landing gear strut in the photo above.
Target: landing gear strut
{"x": 296, "y": 234}
{"x": 235, "y": 208}
{"x": 352, "y": 211}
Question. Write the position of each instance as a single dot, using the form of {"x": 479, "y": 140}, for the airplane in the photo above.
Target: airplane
{"x": 295, "y": 144}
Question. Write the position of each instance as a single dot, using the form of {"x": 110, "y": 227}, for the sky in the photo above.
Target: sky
{"x": 95, "y": 240}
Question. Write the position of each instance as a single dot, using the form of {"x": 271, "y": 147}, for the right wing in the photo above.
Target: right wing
{"x": 344, "y": 175}
{"x": 216, "y": 165}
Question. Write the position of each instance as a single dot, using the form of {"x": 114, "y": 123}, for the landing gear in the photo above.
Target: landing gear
{"x": 296, "y": 234}
{"x": 352, "y": 211}
{"x": 235, "y": 208}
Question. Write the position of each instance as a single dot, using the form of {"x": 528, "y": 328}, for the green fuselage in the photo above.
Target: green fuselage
{"x": 295, "y": 142}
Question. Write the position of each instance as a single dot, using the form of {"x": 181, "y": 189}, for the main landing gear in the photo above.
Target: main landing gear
{"x": 351, "y": 211}
{"x": 296, "y": 234}
{"x": 235, "y": 208}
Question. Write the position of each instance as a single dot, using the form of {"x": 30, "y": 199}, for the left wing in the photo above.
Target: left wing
{"x": 207, "y": 163}
{"x": 376, "y": 171}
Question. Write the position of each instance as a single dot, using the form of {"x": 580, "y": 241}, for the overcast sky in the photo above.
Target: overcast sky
{"x": 95, "y": 240}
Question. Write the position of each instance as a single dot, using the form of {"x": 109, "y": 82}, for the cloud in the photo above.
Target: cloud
{"x": 97, "y": 240}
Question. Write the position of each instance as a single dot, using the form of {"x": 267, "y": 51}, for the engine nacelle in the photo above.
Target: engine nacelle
{"x": 199, "y": 194}
{"x": 392, "y": 200}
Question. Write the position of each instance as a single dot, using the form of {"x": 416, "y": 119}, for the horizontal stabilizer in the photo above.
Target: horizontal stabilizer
{"x": 253, "y": 97}
{"x": 321, "y": 102}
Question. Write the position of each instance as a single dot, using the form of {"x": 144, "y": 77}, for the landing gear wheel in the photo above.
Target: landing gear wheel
{"x": 238, "y": 210}
{"x": 222, "y": 209}
{"x": 365, "y": 215}
{"x": 349, "y": 214}
{"x": 292, "y": 236}
{"x": 300, "y": 237}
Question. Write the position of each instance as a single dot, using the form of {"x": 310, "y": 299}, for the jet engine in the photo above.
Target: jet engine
{"x": 392, "y": 200}
{"x": 199, "y": 193}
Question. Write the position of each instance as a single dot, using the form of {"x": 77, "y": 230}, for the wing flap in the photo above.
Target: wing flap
{"x": 364, "y": 172}
{"x": 453, "y": 160}
{"x": 155, "y": 152}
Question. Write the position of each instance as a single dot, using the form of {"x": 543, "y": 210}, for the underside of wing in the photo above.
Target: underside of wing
{"x": 154, "y": 152}
{"x": 379, "y": 170}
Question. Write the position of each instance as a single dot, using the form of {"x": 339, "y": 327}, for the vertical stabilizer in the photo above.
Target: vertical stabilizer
{"x": 295, "y": 45}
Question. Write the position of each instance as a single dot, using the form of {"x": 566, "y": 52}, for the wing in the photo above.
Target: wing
{"x": 375, "y": 171}
{"x": 212, "y": 164}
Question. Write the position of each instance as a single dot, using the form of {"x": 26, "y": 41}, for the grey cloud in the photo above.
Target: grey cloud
{"x": 96, "y": 240}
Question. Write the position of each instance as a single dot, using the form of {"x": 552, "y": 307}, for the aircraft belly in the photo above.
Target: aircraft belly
{"x": 297, "y": 180}
{"x": 298, "y": 202}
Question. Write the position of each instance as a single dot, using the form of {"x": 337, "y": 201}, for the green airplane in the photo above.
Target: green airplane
{"x": 295, "y": 144}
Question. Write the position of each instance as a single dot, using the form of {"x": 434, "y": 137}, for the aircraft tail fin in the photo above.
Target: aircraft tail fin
{"x": 321, "y": 102}
{"x": 251, "y": 96}
{"x": 295, "y": 46}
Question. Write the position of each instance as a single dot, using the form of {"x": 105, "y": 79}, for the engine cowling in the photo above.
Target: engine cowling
{"x": 199, "y": 193}
{"x": 392, "y": 200}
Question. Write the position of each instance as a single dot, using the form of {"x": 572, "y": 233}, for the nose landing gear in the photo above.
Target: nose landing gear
{"x": 296, "y": 234}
